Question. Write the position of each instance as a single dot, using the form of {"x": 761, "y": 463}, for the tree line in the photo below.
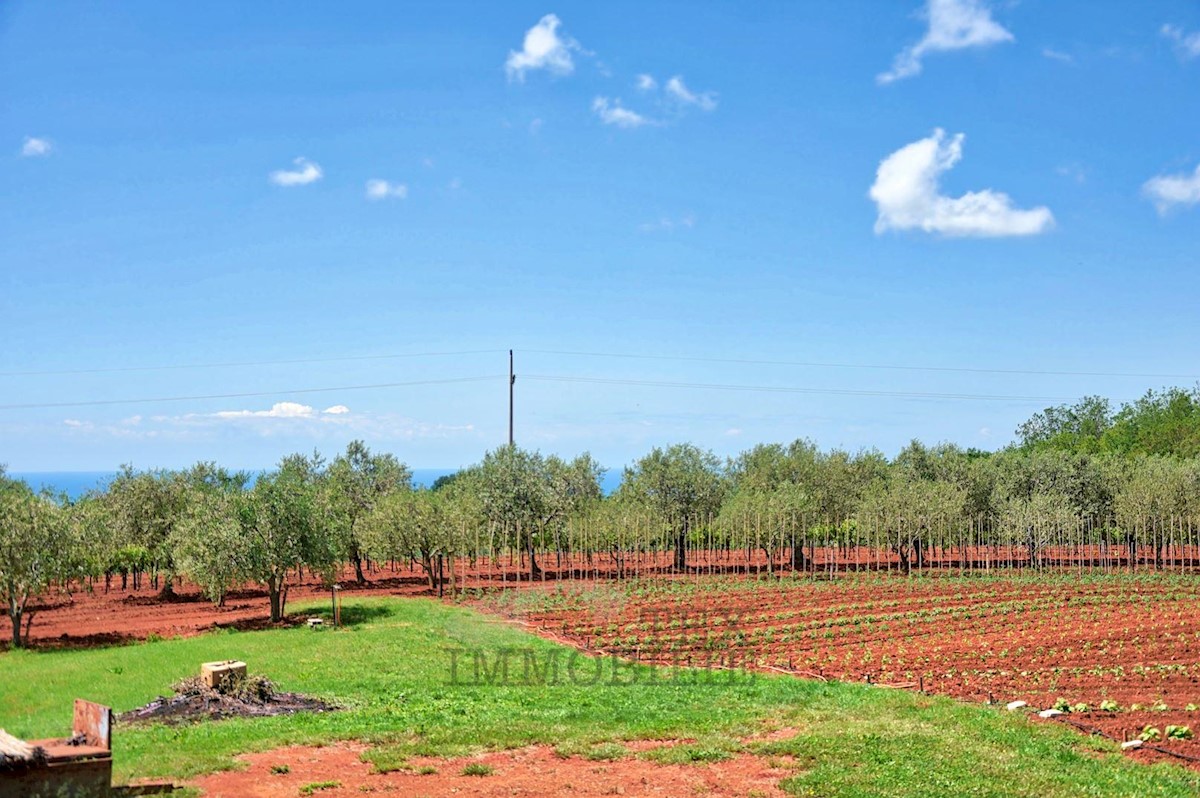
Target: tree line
{"x": 1080, "y": 477}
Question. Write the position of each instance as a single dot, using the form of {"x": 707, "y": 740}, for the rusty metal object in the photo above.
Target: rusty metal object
{"x": 79, "y": 766}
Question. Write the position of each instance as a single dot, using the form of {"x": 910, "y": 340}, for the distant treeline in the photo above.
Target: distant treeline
{"x": 1098, "y": 484}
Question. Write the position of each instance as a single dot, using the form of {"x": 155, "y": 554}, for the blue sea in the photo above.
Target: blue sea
{"x": 77, "y": 483}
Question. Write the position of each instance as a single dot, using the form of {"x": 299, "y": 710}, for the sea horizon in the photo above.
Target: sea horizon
{"x": 77, "y": 483}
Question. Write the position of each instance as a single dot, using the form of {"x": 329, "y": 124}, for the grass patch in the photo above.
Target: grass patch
{"x": 606, "y": 752}
{"x": 410, "y": 684}
{"x": 478, "y": 769}
{"x": 712, "y": 749}
{"x": 319, "y": 786}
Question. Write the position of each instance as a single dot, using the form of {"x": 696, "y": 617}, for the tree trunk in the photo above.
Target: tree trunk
{"x": 14, "y": 613}
{"x": 534, "y": 569}
{"x": 430, "y": 573}
{"x": 276, "y": 596}
{"x": 356, "y": 558}
{"x": 798, "y": 561}
{"x": 681, "y": 548}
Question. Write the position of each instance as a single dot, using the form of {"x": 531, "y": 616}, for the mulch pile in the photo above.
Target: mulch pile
{"x": 252, "y": 697}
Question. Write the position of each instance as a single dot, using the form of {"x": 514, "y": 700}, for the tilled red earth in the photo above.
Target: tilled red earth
{"x": 1132, "y": 640}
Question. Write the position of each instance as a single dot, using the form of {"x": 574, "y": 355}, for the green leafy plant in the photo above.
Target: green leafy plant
{"x": 477, "y": 769}
{"x": 1108, "y": 705}
{"x": 1150, "y": 734}
{"x": 1179, "y": 732}
{"x": 1062, "y": 705}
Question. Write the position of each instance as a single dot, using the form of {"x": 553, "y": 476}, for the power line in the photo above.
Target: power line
{"x": 241, "y": 395}
{"x": 778, "y": 389}
{"x": 815, "y": 364}
{"x": 241, "y": 363}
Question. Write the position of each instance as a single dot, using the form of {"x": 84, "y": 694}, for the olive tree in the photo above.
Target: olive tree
{"x": 680, "y": 486}
{"x": 284, "y": 519}
{"x": 210, "y": 545}
{"x": 910, "y": 513}
{"x": 1034, "y": 522}
{"x": 356, "y": 480}
{"x": 37, "y": 547}
{"x": 412, "y": 525}
{"x": 143, "y": 508}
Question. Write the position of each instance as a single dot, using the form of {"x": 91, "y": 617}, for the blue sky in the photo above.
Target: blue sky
{"x": 1007, "y": 186}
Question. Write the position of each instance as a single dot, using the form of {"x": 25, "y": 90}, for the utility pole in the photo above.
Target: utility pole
{"x": 512, "y": 380}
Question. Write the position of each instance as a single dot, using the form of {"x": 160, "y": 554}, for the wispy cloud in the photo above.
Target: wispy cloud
{"x": 1187, "y": 45}
{"x": 1072, "y": 171}
{"x": 543, "y": 48}
{"x": 282, "y": 419}
{"x": 35, "y": 147}
{"x": 677, "y": 91}
{"x": 908, "y": 196}
{"x": 381, "y": 189}
{"x": 611, "y": 112}
{"x": 305, "y": 172}
{"x": 1057, "y": 55}
{"x": 668, "y": 224}
{"x": 953, "y": 25}
{"x": 645, "y": 83}
{"x": 1172, "y": 191}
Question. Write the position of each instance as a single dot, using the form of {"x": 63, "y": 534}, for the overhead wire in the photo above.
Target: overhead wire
{"x": 787, "y": 389}
{"x": 820, "y": 364}
{"x": 241, "y": 363}
{"x": 244, "y": 394}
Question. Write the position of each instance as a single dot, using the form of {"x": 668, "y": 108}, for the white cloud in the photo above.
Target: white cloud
{"x": 35, "y": 147}
{"x": 646, "y": 83}
{"x": 535, "y": 125}
{"x": 676, "y": 89}
{"x": 278, "y": 410}
{"x": 733, "y": 432}
{"x": 908, "y": 196}
{"x": 306, "y": 172}
{"x": 382, "y": 189}
{"x": 953, "y": 25}
{"x": 613, "y": 113}
{"x": 455, "y": 184}
{"x": 282, "y": 420}
{"x": 1057, "y": 55}
{"x": 1186, "y": 44}
{"x": 543, "y": 49}
{"x": 1169, "y": 191}
{"x": 668, "y": 224}
{"x": 1072, "y": 171}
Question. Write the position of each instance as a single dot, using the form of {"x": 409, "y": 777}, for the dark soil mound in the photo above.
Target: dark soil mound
{"x": 253, "y": 697}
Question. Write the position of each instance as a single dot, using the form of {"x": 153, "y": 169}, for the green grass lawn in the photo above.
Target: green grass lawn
{"x": 392, "y": 671}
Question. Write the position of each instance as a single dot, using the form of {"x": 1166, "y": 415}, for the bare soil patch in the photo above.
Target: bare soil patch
{"x": 533, "y": 772}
